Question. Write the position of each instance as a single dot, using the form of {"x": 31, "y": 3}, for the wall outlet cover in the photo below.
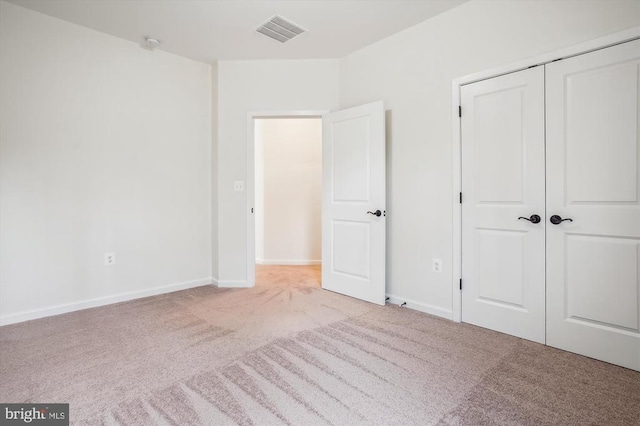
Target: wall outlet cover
{"x": 109, "y": 259}
{"x": 437, "y": 265}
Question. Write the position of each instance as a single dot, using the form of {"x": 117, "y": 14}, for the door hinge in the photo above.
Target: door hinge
{"x": 459, "y": 110}
{"x": 460, "y": 283}
{"x": 461, "y": 198}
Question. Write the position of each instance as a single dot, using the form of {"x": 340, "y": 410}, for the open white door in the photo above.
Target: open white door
{"x": 353, "y": 202}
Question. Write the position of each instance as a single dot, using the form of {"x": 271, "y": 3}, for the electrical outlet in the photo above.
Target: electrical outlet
{"x": 109, "y": 259}
{"x": 437, "y": 265}
{"x": 238, "y": 186}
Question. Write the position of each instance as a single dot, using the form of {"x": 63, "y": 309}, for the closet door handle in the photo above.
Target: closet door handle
{"x": 533, "y": 219}
{"x": 557, "y": 220}
{"x": 376, "y": 213}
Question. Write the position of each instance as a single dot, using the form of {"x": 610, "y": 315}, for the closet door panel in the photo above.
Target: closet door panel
{"x": 503, "y": 186}
{"x": 593, "y": 180}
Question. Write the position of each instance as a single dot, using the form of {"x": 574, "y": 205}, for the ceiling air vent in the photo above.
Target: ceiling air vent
{"x": 280, "y": 29}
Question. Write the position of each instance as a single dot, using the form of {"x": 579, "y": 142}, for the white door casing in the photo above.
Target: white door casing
{"x": 593, "y": 178}
{"x": 503, "y": 175}
{"x": 353, "y": 183}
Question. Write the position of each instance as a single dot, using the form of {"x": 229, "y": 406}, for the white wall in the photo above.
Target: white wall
{"x": 250, "y": 86}
{"x": 104, "y": 147}
{"x": 412, "y": 72}
{"x": 289, "y": 191}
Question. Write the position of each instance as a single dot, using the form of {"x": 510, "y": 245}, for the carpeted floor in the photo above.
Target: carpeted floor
{"x": 288, "y": 352}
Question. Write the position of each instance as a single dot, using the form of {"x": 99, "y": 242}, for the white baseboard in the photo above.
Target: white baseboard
{"x": 422, "y": 307}
{"x": 231, "y": 283}
{"x": 100, "y": 301}
{"x": 297, "y": 262}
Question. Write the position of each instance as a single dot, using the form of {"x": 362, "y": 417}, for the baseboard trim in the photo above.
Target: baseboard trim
{"x": 294, "y": 262}
{"x": 231, "y": 283}
{"x": 100, "y": 301}
{"x": 422, "y": 307}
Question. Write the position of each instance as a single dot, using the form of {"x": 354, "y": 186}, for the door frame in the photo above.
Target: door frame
{"x": 251, "y": 173}
{"x": 579, "y": 49}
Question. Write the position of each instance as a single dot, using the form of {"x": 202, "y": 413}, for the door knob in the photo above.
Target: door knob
{"x": 556, "y": 220}
{"x": 533, "y": 219}
{"x": 376, "y": 213}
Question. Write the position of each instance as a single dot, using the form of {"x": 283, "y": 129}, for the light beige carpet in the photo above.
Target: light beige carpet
{"x": 288, "y": 352}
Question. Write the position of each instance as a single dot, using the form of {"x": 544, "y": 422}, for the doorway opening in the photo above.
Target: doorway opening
{"x": 353, "y": 212}
{"x": 287, "y": 196}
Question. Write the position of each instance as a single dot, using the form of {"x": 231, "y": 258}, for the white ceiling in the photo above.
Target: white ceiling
{"x": 207, "y": 30}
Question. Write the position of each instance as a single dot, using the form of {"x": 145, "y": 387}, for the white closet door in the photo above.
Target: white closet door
{"x": 503, "y": 186}
{"x": 593, "y": 184}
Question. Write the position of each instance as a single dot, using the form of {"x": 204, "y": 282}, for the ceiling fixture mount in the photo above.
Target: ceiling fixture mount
{"x": 280, "y": 29}
{"x": 151, "y": 42}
